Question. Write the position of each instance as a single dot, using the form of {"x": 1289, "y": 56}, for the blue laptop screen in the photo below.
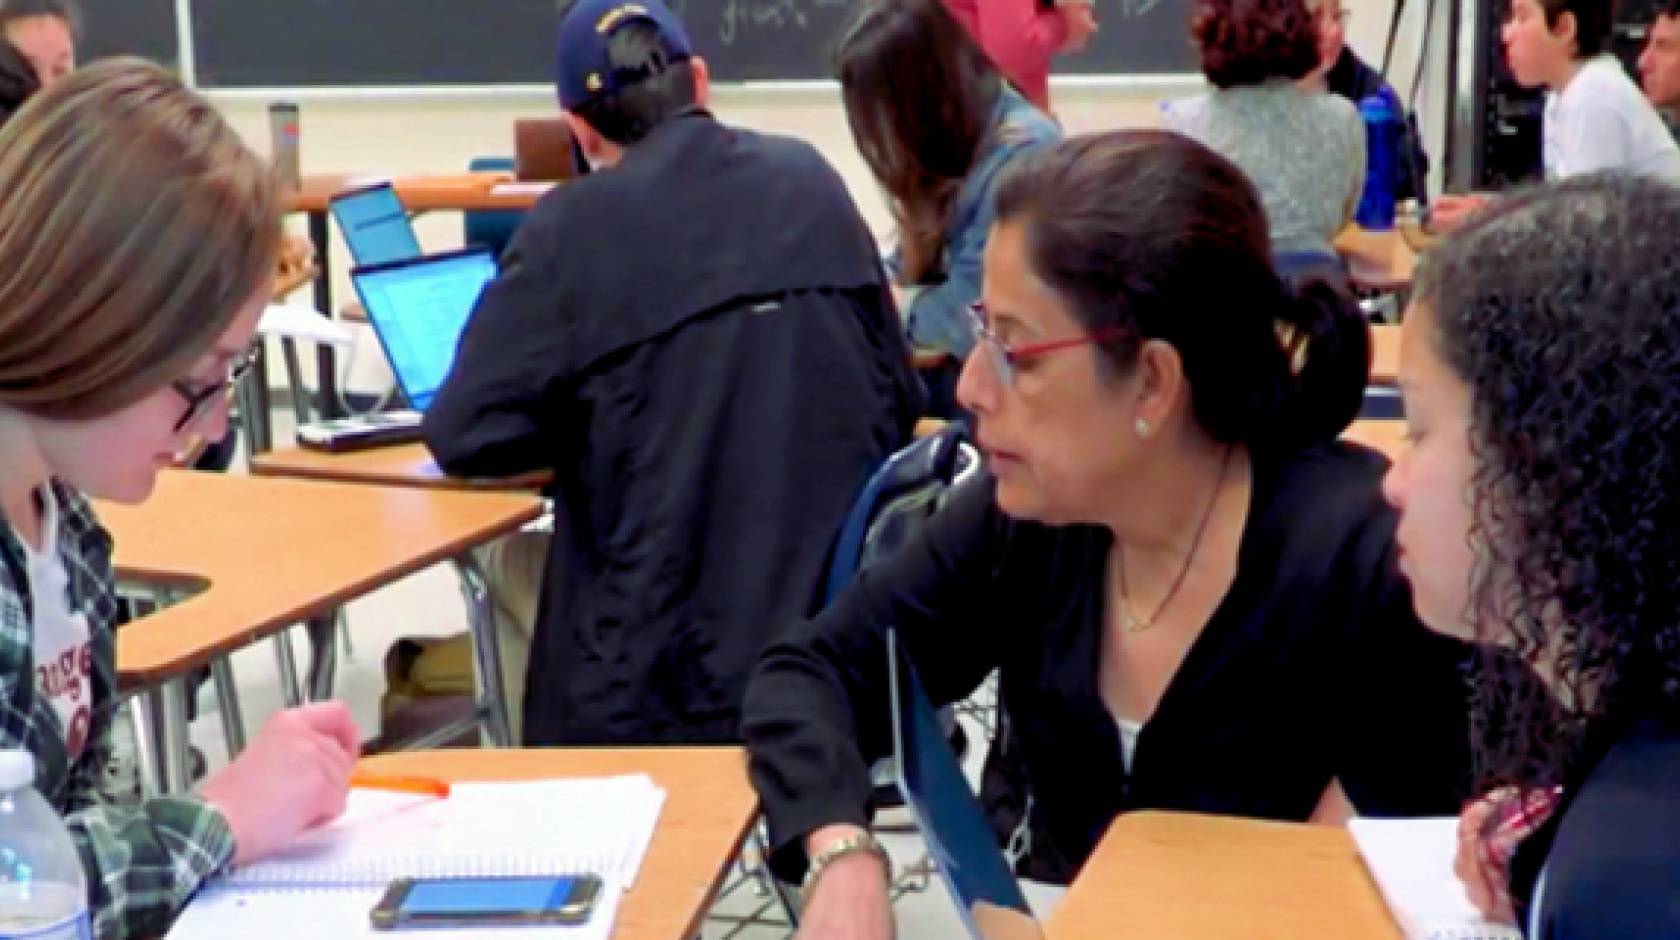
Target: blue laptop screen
{"x": 376, "y": 227}
{"x": 958, "y": 834}
{"x": 419, "y": 311}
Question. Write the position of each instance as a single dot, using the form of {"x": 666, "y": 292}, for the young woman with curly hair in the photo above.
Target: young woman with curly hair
{"x": 1540, "y": 515}
{"x": 1303, "y": 148}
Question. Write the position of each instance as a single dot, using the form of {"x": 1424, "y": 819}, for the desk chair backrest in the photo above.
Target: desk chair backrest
{"x": 902, "y": 492}
{"x": 492, "y": 228}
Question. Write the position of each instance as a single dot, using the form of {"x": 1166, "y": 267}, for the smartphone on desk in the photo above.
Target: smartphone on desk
{"x": 487, "y": 902}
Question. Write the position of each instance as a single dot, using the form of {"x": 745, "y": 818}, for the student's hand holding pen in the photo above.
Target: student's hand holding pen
{"x": 1489, "y": 832}
{"x": 294, "y": 776}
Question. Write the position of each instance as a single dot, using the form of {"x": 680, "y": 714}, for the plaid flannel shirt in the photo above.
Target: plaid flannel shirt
{"x": 142, "y": 861}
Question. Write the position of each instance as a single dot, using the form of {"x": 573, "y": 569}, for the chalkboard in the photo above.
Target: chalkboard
{"x": 1136, "y": 37}
{"x": 129, "y": 27}
{"x": 303, "y": 43}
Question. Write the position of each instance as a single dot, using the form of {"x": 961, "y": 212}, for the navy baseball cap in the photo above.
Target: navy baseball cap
{"x": 584, "y": 70}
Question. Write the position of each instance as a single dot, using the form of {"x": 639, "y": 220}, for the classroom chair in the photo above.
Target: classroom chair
{"x": 909, "y": 486}
{"x": 492, "y": 228}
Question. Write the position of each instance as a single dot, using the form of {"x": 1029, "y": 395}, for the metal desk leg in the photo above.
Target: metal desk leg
{"x": 294, "y": 379}
{"x": 492, "y": 701}
{"x": 253, "y": 405}
{"x": 144, "y": 712}
{"x": 227, "y": 701}
{"x": 177, "y": 775}
{"x": 290, "y": 688}
{"x": 323, "y": 654}
{"x": 325, "y": 361}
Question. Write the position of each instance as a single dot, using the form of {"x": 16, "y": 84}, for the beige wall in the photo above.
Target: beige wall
{"x": 395, "y": 134}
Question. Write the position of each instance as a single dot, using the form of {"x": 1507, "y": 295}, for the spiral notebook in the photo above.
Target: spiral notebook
{"x": 547, "y": 827}
{"x": 1411, "y": 860}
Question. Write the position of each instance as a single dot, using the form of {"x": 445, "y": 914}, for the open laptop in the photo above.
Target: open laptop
{"x": 949, "y": 816}
{"x": 376, "y": 227}
{"x": 419, "y": 307}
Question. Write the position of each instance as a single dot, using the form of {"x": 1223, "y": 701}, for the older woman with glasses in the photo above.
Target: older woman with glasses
{"x": 1188, "y": 585}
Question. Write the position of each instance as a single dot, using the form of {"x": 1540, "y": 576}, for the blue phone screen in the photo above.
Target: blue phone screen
{"x": 486, "y": 895}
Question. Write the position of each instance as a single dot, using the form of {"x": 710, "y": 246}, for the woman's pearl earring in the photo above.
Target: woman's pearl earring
{"x": 1142, "y": 428}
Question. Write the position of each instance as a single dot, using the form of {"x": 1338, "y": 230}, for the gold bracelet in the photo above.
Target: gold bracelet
{"x": 840, "y": 848}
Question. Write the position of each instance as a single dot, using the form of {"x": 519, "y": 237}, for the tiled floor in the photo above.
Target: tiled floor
{"x": 429, "y": 604}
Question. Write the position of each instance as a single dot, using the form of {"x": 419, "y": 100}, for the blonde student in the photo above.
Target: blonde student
{"x": 137, "y": 241}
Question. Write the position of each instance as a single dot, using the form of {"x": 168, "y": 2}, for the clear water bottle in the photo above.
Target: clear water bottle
{"x": 1383, "y": 139}
{"x": 43, "y": 893}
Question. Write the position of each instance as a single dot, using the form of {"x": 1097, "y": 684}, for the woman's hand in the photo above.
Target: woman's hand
{"x": 1478, "y": 863}
{"x": 1489, "y": 831}
{"x": 849, "y": 899}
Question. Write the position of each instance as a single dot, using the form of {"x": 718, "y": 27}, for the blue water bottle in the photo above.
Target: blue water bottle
{"x": 1381, "y": 113}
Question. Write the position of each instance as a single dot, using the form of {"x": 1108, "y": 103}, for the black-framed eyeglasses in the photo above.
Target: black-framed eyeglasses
{"x": 199, "y": 401}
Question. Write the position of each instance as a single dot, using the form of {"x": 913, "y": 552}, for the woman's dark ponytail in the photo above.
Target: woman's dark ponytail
{"x": 1327, "y": 342}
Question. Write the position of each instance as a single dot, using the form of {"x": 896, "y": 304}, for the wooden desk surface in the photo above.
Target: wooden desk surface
{"x": 274, "y": 552}
{"x": 708, "y": 808}
{"x": 1385, "y": 353}
{"x": 464, "y": 191}
{"x": 1177, "y": 876}
{"x": 399, "y": 465}
{"x": 1377, "y": 260}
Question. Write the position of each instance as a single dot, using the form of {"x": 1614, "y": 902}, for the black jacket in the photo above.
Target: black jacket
{"x": 1313, "y": 668}
{"x": 1609, "y": 853}
{"x": 700, "y": 343}
{"x": 1351, "y": 78}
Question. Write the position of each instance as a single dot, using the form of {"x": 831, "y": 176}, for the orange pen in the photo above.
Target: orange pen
{"x": 429, "y": 786}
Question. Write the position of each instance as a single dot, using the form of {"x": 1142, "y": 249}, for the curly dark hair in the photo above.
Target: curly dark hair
{"x": 1561, "y": 311}
{"x": 1247, "y": 42}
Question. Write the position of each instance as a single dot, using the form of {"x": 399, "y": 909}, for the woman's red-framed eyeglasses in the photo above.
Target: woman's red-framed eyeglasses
{"x": 1003, "y": 359}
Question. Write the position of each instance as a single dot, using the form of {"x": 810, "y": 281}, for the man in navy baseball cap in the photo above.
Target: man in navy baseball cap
{"x": 699, "y": 344}
{"x": 622, "y": 67}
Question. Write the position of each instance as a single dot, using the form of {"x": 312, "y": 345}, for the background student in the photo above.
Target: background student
{"x": 1595, "y": 117}
{"x": 1342, "y": 72}
{"x": 1659, "y": 61}
{"x": 1022, "y": 36}
{"x": 1304, "y": 149}
{"x": 937, "y": 125}
{"x": 1540, "y": 514}
{"x": 45, "y": 31}
{"x": 1187, "y": 586}
{"x": 118, "y": 175}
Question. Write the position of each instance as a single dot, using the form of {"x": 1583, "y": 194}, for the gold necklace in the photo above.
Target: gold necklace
{"x": 1132, "y": 624}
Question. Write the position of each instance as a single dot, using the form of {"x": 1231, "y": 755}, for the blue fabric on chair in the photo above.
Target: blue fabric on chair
{"x": 493, "y": 228}
{"x": 1293, "y": 267}
{"x": 882, "y": 514}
